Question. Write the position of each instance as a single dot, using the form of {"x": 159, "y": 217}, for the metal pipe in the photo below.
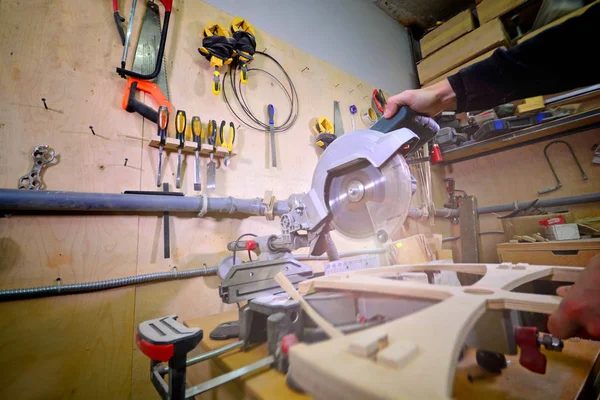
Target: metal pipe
{"x": 88, "y": 287}
{"x": 453, "y": 238}
{"x": 49, "y": 200}
{"x": 207, "y": 355}
{"x": 560, "y": 201}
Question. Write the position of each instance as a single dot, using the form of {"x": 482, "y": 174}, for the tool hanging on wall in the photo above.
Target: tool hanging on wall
{"x": 272, "y": 134}
{"x": 228, "y": 143}
{"x": 162, "y": 122}
{"x": 369, "y": 117}
{"x": 42, "y": 156}
{"x": 180, "y": 125}
{"x": 119, "y": 21}
{"x": 378, "y": 102}
{"x": 168, "y": 4}
{"x": 128, "y": 35}
{"x": 217, "y": 47}
{"x": 325, "y": 135}
{"x": 244, "y": 45}
{"x": 558, "y": 182}
{"x": 211, "y": 167}
{"x": 146, "y": 56}
{"x": 338, "y": 126}
{"x": 197, "y": 137}
{"x": 251, "y": 120}
{"x": 353, "y": 111}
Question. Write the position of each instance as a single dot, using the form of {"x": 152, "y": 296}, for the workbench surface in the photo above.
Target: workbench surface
{"x": 565, "y": 377}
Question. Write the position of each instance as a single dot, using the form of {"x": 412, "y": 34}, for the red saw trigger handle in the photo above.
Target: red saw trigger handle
{"x": 531, "y": 356}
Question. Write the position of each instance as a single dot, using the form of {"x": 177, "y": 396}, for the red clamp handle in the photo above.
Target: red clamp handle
{"x": 531, "y": 357}
{"x": 116, "y": 5}
{"x": 155, "y": 352}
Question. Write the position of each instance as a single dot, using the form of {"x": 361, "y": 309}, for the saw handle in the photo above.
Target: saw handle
{"x": 131, "y": 104}
{"x": 423, "y": 126}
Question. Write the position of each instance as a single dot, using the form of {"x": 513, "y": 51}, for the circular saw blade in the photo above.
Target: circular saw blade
{"x": 364, "y": 199}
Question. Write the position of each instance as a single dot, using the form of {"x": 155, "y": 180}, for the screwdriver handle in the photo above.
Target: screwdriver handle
{"x": 197, "y": 130}
{"x": 212, "y": 132}
{"x": 162, "y": 123}
{"x": 271, "y": 113}
{"x": 180, "y": 125}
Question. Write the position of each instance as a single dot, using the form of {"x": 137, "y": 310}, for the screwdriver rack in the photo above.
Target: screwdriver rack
{"x": 189, "y": 147}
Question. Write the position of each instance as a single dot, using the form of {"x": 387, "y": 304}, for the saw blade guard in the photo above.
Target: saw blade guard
{"x": 364, "y": 183}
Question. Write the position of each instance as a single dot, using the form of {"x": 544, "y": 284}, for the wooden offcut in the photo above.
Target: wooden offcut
{"x": 577, "y": 253}
{"x": 449, "y": 31}
{"x": 490, "y": 9}
{"x": 489, "y": 36}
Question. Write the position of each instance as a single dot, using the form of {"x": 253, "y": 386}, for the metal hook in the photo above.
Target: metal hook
{"x": 558, "y": 183}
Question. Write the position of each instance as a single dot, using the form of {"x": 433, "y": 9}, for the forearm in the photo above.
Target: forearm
{"x": 558, "y": 59}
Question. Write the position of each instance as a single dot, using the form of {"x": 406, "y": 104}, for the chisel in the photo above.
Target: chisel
{"x": 211, "y": 167}
{"x": 197, "y": 136}
{"x": 163, "y": 122}
{"x": 272, "y": 134}
{"x": 180, "y": 125}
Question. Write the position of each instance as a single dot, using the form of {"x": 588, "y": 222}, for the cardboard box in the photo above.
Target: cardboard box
{"x": 528, "y": 225}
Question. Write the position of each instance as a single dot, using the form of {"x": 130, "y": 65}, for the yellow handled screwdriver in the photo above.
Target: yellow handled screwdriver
{"x": 197, "y": 136}
{"x": 180, "y": 125}
{"x": 163, "y": 122}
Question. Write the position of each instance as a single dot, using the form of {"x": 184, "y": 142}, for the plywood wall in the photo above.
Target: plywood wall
{"x": 66, "y": 51}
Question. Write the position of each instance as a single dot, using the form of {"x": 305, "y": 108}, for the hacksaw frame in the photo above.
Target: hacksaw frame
{"x": 413, "y": 357}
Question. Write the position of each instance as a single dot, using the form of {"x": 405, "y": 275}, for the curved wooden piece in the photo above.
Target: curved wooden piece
{"x": 422, "y": 349}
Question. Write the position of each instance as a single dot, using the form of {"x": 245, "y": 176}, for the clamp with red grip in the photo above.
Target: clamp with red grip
{"x": 531, "y": 357}
{"x": 164, "y": 338}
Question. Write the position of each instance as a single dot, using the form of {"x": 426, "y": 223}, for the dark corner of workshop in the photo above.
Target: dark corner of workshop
{"x": 331, "y": 199}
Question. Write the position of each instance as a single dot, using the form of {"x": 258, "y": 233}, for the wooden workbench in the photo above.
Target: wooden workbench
{"x": 565, "y": 378}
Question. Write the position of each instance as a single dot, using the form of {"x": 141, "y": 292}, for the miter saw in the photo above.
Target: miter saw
{"x": 361, "y": 187}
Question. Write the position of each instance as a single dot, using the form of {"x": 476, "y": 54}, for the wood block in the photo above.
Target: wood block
{"x": 490, "y": 9}
{"x": 455, "y": 70}
{"x": 481, "y": 40}
{"x": 366, "y": 345}
{"x": 397, "y": 354}
{"x": 445, "y": 254}
{"x": 206, "y": 149}
{"x": 221, "y": 151}
{"x": 557, "y": 22}
{"x": 449, "y": 31}
{"x": 531, "y": 104}
{"x": 412, "y": 250}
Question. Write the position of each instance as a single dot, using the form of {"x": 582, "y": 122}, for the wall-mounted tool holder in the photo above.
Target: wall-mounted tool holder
{"x": 189, "y": 147}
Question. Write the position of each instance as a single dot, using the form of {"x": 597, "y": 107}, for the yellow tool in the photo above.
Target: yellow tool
{"x": 217, "y": 47}
{"x": 245, "y": 44}
{"x": 324, "y": 129}
{"x": 197, "y": 136}
{"x": 230, "y": 140}
{"x": 180, "y": 125}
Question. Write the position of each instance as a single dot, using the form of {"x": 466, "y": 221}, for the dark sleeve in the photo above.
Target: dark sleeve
{"x": 561, "y": 58}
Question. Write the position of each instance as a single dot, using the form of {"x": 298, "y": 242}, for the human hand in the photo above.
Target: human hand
{"x": 579, "y": 312}
{"x": 430, "y": 100}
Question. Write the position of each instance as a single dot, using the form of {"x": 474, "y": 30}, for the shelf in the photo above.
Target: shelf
{"x": 561, "y": 127}
{"x": 172, "y": 144}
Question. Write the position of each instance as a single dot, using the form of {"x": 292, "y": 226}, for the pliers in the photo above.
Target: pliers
{"x": 230, "y": 141}
{"x": 119, "y": 21}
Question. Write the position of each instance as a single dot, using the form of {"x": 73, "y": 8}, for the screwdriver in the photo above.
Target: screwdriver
{"x": 197, "y": 135}
{"x": 272, "y": 134}
{"x": 180, "y": 125}
{"x": 229, "y": 143}
{"x": 211, "y": 167}
{"x": 163, "y": 122}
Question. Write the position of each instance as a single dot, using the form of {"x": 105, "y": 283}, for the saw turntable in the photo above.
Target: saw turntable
{"x": 390, "y": 338}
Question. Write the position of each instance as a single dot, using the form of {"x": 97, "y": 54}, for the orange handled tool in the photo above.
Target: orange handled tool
{"x": 131, "y": 104}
